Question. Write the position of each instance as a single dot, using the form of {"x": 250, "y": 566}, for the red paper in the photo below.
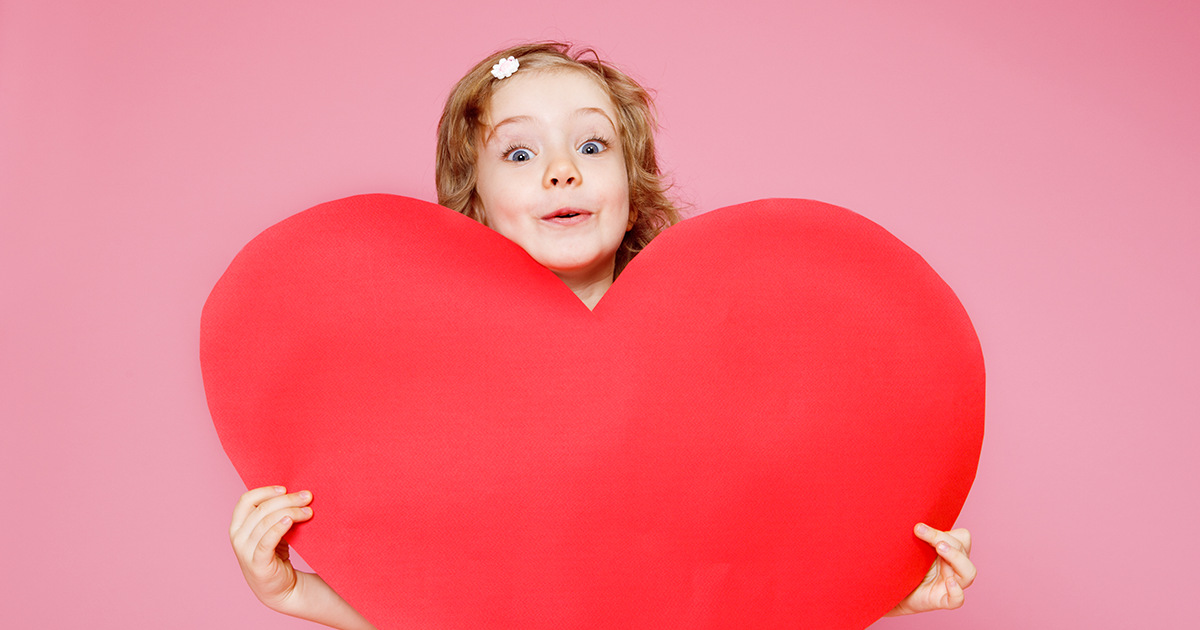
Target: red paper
{"x": 741, "y": 435}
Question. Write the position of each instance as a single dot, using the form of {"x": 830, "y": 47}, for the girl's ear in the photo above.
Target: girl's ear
{"x": 632, "y": 219}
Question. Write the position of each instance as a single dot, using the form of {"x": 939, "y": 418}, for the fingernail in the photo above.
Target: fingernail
{"x": 307, "y": 511}
{"x": 287, "y": 520}
{"x": 280, "y": 489}
{"x": 922, "y": 529}
{"x": 305, "y": 495}
{"x": 943, "y": 547}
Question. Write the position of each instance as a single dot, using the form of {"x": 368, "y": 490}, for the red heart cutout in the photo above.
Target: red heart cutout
{"x": 741, "y": 435}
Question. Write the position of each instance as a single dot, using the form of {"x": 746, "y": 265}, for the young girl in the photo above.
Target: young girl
{"x": 554, "y": 151}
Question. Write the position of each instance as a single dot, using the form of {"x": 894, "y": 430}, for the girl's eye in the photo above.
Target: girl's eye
{"x": 592, "y": 147}
{"x": 519, "y": 155}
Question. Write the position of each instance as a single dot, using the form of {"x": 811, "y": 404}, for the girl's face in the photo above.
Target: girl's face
{"x": 551, "y": 175}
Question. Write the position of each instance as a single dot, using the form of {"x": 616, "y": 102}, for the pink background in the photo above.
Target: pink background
{"x": 1043, "y": 156}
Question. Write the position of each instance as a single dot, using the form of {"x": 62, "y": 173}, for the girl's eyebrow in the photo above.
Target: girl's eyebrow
{"x": 512, "y": 120}
{"x": 594, "y": 110}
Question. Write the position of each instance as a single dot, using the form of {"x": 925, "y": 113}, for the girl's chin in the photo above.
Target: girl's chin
{"x": 579, "y": 268}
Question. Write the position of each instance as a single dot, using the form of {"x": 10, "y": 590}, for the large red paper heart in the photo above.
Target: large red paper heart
{"x": 741, "y": 435}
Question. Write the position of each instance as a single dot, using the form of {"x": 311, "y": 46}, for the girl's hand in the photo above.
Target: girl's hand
{"x": 942, "y": 588}
{"x": 260, "y": 519}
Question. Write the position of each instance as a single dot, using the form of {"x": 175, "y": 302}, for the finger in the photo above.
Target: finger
{"x": 935, "y": 536}
{"x": 267, "y": 512}
{"x": 248, "y": 502}
{"x": 954, "y": 594}
{"x": 960, "y": 563}
{"x": 271, "y": 538}
{"x": 268, "y": 520}
{"x": 268, "y": 535}
{"x": 927, "y": 533}
{"x": 963, "y": 537}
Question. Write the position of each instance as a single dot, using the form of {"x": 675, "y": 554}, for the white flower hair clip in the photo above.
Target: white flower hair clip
{"x": 505, "y": 68}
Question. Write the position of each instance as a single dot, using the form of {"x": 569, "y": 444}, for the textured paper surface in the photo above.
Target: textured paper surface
{"x": 736, "y": 437}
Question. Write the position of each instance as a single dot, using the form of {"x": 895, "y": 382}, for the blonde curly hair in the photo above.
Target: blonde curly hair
{"x": 462, "y": 127}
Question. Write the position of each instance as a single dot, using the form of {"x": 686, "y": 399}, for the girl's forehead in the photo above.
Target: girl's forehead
{"x": 547, "y": 91}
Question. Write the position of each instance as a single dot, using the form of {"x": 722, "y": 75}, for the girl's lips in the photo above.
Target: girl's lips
{"x": 567, "y": 216}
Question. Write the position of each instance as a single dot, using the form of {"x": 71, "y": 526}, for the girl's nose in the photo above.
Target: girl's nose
{"x": 562, "y": 172}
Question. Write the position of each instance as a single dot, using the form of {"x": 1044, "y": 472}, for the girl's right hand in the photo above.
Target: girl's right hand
{"x": 260, "y": 519}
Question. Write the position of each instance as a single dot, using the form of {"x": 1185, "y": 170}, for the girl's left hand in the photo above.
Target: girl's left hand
{"x": 942, "y": 588}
